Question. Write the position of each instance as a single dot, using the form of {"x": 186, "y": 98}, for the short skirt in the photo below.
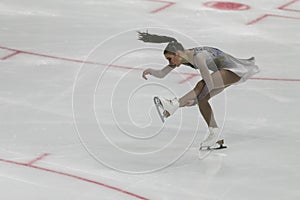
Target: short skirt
{"x": 244, "y": 68}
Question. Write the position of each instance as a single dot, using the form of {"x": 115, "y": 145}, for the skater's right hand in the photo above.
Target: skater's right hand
{"x": 147, "y": 72}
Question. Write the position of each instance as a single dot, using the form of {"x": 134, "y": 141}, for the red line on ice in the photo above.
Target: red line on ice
{"x": 64, "y": 59}
{"x": 41, "y": 157}
{"x": 162, "y": 8}
{"x": 258, "y": 79}
{"x": 190, "y": 75}
{"x": 284, "y": 7}
{"x": 257, "y": 20}
{"x": 75, "y": 177}
{"x": 276, "y": 79}
{"x": 270, "y": 15}
{"x": 10, "y": 55}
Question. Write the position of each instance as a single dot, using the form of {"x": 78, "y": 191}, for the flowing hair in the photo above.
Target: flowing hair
{"x": 172, "y": 47}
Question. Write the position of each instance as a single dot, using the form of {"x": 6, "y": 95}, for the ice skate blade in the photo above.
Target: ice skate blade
{"x": 208, "y": 148}
{"x": 211, "y": 148}
{"x": 159, "y": 106}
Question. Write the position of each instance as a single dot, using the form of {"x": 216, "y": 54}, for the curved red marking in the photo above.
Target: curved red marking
{"x": 220, "y": 5}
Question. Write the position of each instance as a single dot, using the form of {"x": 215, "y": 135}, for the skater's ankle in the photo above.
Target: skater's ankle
{"x": 213, "y": 127}
{"x": 182, "y": 103}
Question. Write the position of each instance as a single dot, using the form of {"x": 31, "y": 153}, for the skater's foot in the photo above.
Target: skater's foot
{"x": 169, "y": 106}
{"x": 218, "y": 145}
{"x": 212, "y": 138}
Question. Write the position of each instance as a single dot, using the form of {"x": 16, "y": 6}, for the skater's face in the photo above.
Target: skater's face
{"x": 174, "y": 59}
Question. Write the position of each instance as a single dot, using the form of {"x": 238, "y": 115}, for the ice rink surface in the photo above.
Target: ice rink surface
{"x": 78, "y": 121}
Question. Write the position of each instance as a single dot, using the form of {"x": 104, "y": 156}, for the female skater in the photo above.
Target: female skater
{"x": 226, "y": 70}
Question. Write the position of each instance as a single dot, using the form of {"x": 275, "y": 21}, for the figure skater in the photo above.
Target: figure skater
{"x": 226, "y": 70}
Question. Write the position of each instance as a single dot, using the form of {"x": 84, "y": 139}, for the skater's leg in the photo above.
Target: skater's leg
{"x": 228, "y": 79}
{"x": 206, "y": 110}
{"x": 189, "y": 98}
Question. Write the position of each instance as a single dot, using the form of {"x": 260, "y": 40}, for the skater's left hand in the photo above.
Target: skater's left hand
{"x": 147, "y": 72}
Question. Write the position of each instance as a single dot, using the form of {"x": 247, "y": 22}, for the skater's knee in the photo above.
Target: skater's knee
{"x": 203, "y": 101}
{"x": 204, "y": 94}
{"x": 199, "y": 87}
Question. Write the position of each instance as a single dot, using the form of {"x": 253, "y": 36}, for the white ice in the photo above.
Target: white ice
{"x": 78, "y": 121}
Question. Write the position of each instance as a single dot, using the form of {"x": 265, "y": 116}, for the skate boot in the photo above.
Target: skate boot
{"x": 212, "y": 139}
{"x": 165, "y": 107}
{"x": 169, "y": 106}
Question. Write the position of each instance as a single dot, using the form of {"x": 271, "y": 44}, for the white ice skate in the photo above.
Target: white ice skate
{"x": 212, "y": 141}
{"x": 165, "y": 107}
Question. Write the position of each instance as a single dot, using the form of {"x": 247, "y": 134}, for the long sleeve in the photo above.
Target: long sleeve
{"x": 161, "y": 73}
{"x": 200, "y": 61}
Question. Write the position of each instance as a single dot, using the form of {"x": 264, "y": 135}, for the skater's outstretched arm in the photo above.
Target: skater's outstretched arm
{"x": 157, "y": 73}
